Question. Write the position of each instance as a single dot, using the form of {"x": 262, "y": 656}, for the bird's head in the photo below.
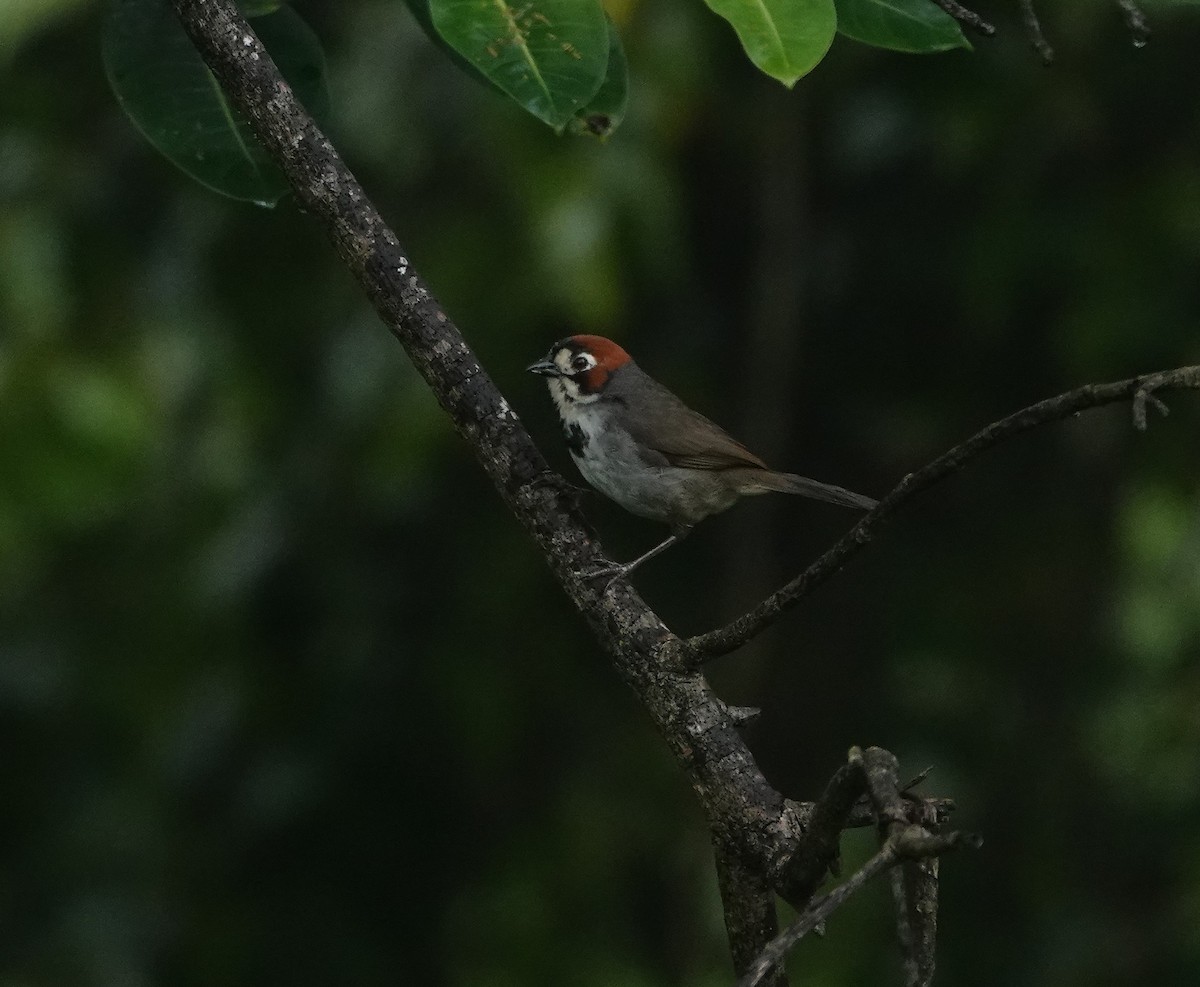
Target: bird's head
{"x": 579, "y": 367}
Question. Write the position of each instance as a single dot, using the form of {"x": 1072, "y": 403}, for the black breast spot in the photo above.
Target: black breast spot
{"x": 576, "y": 437}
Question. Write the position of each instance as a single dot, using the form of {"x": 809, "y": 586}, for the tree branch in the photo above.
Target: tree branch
{"x": 909, "y": 836}
{"x": 1033, "y": 31}
{"x": 1135, "y": 20}
{"x": 911, "y": 843}
{"x": 815, "y": 914}
{"x": 965, "y": 16}
{"x": 915, "y": 896}
{"x": 750, "y": 918}
{"x": 1138, "y": 389}
{"x": 744, "y": 813}
{"x": 760, "y": 836}
{"x": 818, "y": 852}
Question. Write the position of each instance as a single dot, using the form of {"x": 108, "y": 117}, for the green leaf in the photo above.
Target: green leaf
{"x": 784, "y": 38}
{"x": 605, "y": 111}
{"x": 917, "y": 26}
{"x": 548, "y": 55}
{"x": 166, "y": 89}
{"x": 420, "y": 10}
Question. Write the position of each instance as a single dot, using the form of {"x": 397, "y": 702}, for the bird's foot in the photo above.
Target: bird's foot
{"x": 617, "y": 571}
{"x": 611, "y": 572}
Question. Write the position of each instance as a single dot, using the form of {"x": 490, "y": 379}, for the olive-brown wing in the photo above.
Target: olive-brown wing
{"x": 666, "y": 427}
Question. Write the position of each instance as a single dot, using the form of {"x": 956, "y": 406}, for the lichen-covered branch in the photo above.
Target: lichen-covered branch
{"x": 910, "y": 837}
{"x": 746, "y": 816}
{"x": 815, "y": 914}
{"x": 817, "y": 853}
{"x": 915, "y": 897}
{"x": 748, "y": 901}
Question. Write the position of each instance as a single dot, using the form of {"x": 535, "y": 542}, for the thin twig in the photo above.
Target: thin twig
{"x": 815, "y": 914}
{"x": 881, "y": 774}
{"x": 965, "y": 16}
{"x": 915, "y": 896}
{"x": 914, "y": 882}
{"x": 1141, "y": 398}
{"x": 909, "y": 844}
{"x": 914, "y": 782}
{"x": 1135, "y": 20}
{"x": 733, "y": 635}
{"x": 1033, "y": 30}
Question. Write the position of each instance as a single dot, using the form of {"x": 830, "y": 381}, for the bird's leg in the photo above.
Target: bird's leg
{"x": 678, "y": 533}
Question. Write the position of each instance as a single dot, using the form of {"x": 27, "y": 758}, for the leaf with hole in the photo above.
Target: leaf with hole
{"x": 548, "y": 55}
{"x": 786, "y": 39}
{"x": 168, "y": 92}
{"x": 914, "y": 26}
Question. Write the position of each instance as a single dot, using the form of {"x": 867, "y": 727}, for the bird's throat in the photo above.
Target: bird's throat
{"x": 568, "y": 397}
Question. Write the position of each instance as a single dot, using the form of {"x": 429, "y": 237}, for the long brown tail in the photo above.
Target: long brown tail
{"x": 804, "y": 487}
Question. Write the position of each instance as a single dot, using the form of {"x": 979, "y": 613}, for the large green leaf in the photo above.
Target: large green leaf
{"x": 605, "y": 111}
{"x": 784, "y": 38}
{"x": 902, "y": 25}
{"x": 548, "y": 55}
{"x": 420, "y": 10}
{"x": 166, "y": 89}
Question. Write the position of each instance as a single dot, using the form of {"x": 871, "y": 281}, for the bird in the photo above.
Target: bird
{"x": 641, "y": 446}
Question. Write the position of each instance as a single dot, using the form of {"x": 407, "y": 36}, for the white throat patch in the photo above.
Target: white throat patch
{"x": 568, "y": 398}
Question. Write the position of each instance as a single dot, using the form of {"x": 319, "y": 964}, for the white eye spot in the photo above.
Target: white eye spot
{"x": 582, "y": 362}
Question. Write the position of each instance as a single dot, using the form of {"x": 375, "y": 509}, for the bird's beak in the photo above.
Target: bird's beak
{"x": 544, "y": 368}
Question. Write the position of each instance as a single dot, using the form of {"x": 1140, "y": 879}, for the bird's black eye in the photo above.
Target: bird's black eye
{"x": 580, "y": 363}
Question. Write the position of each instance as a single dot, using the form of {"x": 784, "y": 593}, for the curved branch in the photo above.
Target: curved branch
{"x": 1140, "y": 390}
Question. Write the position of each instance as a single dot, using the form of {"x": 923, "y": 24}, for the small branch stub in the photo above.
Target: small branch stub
{"x": 1143, "y": 396}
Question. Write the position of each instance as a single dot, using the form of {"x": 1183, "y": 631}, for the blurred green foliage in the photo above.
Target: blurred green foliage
{"x": 286, "y": 696}
{"x": 161, "y": 81}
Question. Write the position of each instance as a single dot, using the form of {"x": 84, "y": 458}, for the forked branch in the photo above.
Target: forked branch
{"x": 909, "y": 835}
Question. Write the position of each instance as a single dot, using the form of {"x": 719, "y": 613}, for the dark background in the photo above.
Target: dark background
{"x": 287, "y": 697}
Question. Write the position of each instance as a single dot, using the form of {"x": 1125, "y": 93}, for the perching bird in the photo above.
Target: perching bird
{"x": 637, "y": 443}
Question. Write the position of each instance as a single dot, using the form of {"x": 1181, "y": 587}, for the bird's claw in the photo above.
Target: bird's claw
{"x": 615, "y": 571}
